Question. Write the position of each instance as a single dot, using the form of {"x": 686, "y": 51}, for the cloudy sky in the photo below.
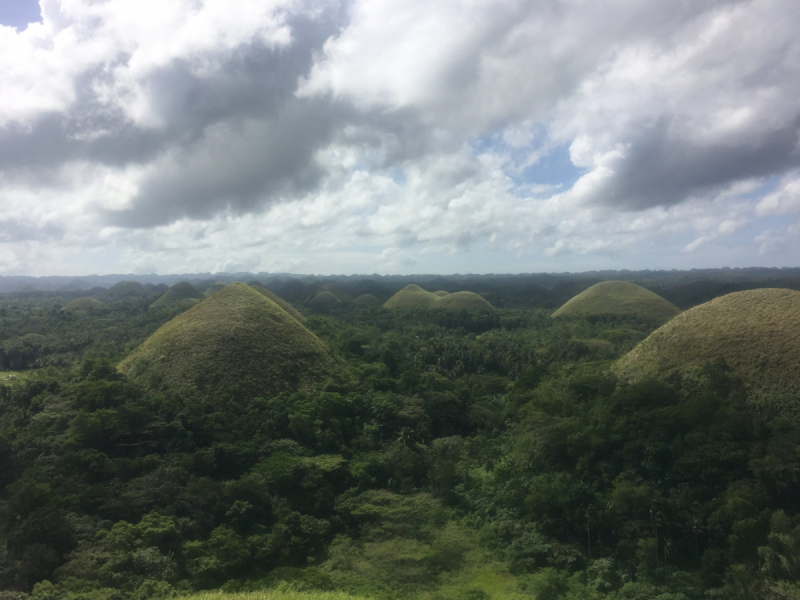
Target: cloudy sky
{"x": 405, "y": 136}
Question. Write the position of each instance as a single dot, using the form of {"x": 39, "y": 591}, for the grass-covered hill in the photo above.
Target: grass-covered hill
{"x": 237, "y": 338}
{"x": 367, "y": 300}
{"x": 413, "y": 296}
{"x": 462, "y": 301}
{"x": 324, "y": 301}
{"x": 213, "y": 288}
{"x": 279, "y": 301}
{"x": 334, "y": 289}
{"x": 177, "y": 293}
{"x": 84, "y": 305}
{"x": 619, "y": 298}
{"x": 440, "y": 293}
{"x": 756, "y": 332}
{"x": 125, "y": 290}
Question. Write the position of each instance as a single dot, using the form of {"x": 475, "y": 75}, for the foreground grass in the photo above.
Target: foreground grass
{"x": 274, "y": 595}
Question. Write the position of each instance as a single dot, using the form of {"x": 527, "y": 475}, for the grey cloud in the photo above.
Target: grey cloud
{"x": 13, "y": 230}
{"x": 662, "y": 170}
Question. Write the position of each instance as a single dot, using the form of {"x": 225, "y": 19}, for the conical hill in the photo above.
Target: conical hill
{"x": 279, "y": 301}
{"x": 178, "y": 292}
{"x": 124, "y": 290}
{"x": 619, "y": 298}
{"x": 367, "y": 300}
{"x": 84, "y": 305}
{"x": 413, "y": 296}
{"x": 237, "y": 338}
{"x": 756, "y": 332}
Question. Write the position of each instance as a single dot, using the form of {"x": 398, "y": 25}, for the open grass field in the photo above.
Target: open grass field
{"x": 413, "y": 296}
{"x": 619, "y": 298}
{"x": 180, "y": 291}
{"x": 236, "y": 338}
{"x": 756, "y": 332}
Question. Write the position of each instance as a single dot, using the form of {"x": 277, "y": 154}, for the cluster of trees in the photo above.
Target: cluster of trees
{"x": 459, "y": 456}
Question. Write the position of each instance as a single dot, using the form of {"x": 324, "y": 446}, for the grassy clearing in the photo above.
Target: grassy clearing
{"x": 413, "y": 296}
{"x": 757, "y": 333}
{"x": 237, "y": 338}
{"x": 619, "y": 298}
{"x": 16, "y": 377}
{"x": 180, "y": 291}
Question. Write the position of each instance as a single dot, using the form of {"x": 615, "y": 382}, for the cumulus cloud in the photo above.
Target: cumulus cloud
{"x": 299, "y": 133}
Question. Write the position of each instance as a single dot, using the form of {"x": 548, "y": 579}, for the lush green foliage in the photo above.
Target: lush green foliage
{"x": 465, "y": 455}
{"x": 620, "y": 298}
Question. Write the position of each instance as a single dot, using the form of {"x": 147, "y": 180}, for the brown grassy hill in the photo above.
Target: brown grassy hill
{"x": 237, "y": 338}
{"x": 84, "y": 305}
{"x": 619, "y": 298}
{"x": 756, "y": 332}
{"x": 413, "y": 296}
{"x": 279, "y": 301}
{"x": 178, "y": 292}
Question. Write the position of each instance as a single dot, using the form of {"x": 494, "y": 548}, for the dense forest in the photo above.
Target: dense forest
{"x": 442, "y": 454}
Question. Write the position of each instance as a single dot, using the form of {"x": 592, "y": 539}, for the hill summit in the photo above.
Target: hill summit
{"x": 756, "y": 332}
{"x": 619, "y": 298}
{"x": 235, "y": 339}
{"x": 413, "y": 296}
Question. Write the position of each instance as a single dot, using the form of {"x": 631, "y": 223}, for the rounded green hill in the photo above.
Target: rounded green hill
{"x": 84, "y": 305}
{"x": 279, "y": 301}
{"x": 178, "y": 292}
{"x": 334, "y": 289}
{"x": 324, "y": 301}
{"x": 236, "y": 339}
{"x": 367, "y": 300}
{"x": 462, "y": 301}
{"x": 440, "y": 293}
{"x": 619, "y": 298}
{"x": 756, "y": 332}
{"x": 413, "y": 296}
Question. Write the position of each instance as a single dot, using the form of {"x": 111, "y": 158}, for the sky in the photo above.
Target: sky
{"x": 369, "y": 136}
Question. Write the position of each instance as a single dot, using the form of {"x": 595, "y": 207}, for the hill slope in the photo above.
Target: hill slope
{"x": 236, "y": 338}
{"x": 619, "y": 298}
{"x": 756, "y": 332}
{"x": 180, "y": 291}
{"x": 279, "y": 301}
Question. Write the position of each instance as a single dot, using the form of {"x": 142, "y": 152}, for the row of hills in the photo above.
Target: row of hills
{"x": 249, "y": 337}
